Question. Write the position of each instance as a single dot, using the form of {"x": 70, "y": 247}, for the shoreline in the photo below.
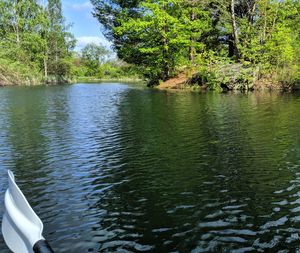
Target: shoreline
{"x": 96, "y": 80}
{"x": 205, "y": 89}
{"x": 165, "y": 86}
{"x": 185, "y": 88}
{"x": 225, "y": 79}
{"x": 87, "y": 81}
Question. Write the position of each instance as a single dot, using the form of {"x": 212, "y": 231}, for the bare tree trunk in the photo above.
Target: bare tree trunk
{"x": 46, "y": 67}
{"x": 17, "y": 35}
{"x": 165, "y": 55}
{"x": 16, "y": 25}
{"x": 166, "y": 73}
{"x": 253, "y": 12}
{"x": 56, "y": 60}
{"x": 265, "y": 23}
{"x": 275, "y": 17}
{"x": 192, "y": 51}
{"x": 235, "y": 31}
{"x": 192, "y": 42}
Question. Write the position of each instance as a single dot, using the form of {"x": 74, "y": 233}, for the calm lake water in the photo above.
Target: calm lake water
{"x": 119, "y": 168}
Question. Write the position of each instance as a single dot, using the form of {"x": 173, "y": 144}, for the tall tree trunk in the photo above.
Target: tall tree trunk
{"x": 166, "y": 71}
{"x": 56, "y": 60}
{"x": 192, "y": 50}
{"x": 46, "y": 67}
{"x": 235, "y": 31}
{"x": 16, "y": 25}
{"x": 253, "y": 12}
{"x": 231, "y": 47}
{"x": 166, "y": 74}
{"x": 265, "y": 23}
{"x": 17, "y": 35}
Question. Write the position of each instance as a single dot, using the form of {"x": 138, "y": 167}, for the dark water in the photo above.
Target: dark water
{"x": 116, "y": 168}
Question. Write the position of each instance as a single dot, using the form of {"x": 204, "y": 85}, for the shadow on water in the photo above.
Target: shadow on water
{"x": 113, "y": 167}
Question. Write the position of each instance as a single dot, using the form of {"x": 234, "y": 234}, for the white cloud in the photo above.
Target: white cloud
{"x": 83, "y": 6}
{"x": 83, "y": 41}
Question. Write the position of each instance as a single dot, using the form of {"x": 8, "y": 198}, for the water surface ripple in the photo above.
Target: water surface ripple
{"x": 117, "y": 168}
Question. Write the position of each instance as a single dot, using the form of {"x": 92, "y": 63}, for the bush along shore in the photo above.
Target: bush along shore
{"x": 12, "y": 74}
{"x": 231, "y": 77}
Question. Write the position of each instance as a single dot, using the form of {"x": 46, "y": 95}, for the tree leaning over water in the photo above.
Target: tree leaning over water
{"x": 163, "y": 37}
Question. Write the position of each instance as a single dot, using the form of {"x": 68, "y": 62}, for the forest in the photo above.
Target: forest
{"x": 36, "y": 47}
{"x": 224, "y": 44}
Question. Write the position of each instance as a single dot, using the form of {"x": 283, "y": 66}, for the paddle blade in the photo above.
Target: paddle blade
{"x": 21, "y": 227}
{"x": 12, "y": 237}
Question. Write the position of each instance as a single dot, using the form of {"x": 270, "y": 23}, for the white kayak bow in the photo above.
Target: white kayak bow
{"x": 21, "y": 227}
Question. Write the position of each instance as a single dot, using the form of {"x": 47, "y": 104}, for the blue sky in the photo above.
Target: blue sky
{"x": 85, "y": 28}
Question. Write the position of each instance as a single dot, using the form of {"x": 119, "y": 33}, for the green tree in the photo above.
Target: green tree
{"x": 35, "y": 35}
{"x": 158, "y": 36}
{"x": 60, "y": 41}
{"x": 93, "y": 56}
{"x": 22, "y": 27}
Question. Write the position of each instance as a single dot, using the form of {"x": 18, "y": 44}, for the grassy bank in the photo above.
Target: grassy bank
{"x": 16, "y": 73}
{"x": 15, "y": 77}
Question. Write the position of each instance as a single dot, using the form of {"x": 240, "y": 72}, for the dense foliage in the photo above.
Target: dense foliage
{"x": 37, "y": 47}
{"x": 224, "y": 43}
{"x": 95, "y": 62}
{"x": 35, "y": 37}
{"x": 164, "y": 37}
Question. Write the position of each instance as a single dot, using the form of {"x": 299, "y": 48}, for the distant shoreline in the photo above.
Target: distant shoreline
{"x": 173, "y": 85}
{"x": 96, "y": 80}
{"x": 28, "y": 83}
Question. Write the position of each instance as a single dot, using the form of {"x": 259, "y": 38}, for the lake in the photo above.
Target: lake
{"x": 121, "y": 168}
